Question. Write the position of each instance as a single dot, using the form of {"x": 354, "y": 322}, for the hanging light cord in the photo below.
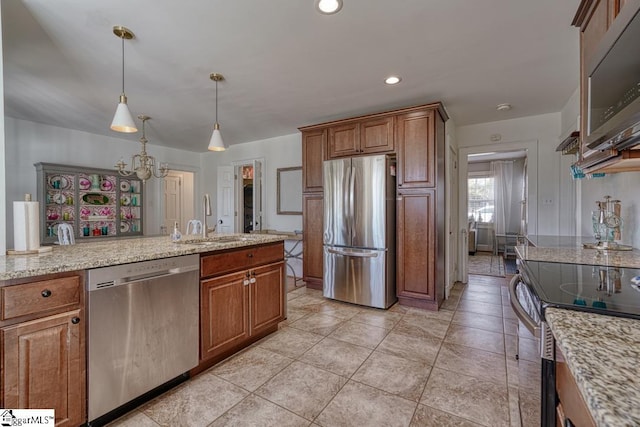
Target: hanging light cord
{"x": 216, "y": 101}
{"x": 122, "y": 37}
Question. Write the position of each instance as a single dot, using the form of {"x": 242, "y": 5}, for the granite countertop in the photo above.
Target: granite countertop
{"x": 569, "y": 250}
{"x": 578, "y": 255}
{"x": 104, "y": 253}
{"x": 602, "y": 353}
{"x": 558, "y": 241}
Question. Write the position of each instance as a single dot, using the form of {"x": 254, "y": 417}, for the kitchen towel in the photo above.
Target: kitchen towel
{"x": 26, "y": 223}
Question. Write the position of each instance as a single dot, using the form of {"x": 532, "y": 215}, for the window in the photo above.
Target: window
{"x": 481, "y": 199}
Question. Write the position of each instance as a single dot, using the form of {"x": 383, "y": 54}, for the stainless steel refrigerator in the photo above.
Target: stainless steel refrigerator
{"x": 359, "y": 230}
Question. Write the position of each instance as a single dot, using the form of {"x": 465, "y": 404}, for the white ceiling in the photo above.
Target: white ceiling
{"x": 285, "y": 65}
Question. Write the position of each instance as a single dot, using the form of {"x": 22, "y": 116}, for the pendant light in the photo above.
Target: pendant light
{"x": 216, "y": 143}
{"x": 122, "y": 120}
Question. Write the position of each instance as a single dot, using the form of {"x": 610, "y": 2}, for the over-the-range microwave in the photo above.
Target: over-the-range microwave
{"x": 613, "y": 120}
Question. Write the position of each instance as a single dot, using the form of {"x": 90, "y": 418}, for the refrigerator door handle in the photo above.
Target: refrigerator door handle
{"x": 352, "y": 188}
{"x": 354, "y": 254}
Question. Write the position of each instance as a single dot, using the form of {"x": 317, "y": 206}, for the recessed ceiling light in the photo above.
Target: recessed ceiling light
{"x": 503, "y": 107}
{"x": 392, "y": 80}
{"x": 328, "y": 7}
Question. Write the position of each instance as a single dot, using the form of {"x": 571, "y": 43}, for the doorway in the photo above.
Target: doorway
{"x": 178, "y": 197}
{"x": 239, "y": 197}
{"x": 478, "y": 211}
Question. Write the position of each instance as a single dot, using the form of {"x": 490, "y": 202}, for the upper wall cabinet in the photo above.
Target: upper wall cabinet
{"x": 361, "y": 137}
{"x": 313, "y": 148}
{"x": 594, "y": 18}
{"x": 344, "y": 140}
{"x": 415, "y": 134}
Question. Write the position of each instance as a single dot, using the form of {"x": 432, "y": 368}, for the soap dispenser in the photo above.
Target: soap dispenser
{"x": 175, "y": 234}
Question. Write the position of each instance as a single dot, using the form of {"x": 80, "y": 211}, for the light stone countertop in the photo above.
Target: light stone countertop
{"x": 104, "y": 253}
{"x": 578, "y": 255}
{"x": 603, "y": 354}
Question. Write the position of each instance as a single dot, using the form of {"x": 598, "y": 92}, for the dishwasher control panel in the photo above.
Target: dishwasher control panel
{"x": 105, "y": 277}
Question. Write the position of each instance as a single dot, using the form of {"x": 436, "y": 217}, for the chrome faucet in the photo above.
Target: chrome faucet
{"x": 206, "y": 207}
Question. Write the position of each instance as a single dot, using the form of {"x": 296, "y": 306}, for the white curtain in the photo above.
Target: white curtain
{"x": 503, "y": 181}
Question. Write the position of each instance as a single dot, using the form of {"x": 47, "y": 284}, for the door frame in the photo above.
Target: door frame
{"x": 154, "y": 215}
{"x": 531, "y": 146}
{"x": 237, "y": 164}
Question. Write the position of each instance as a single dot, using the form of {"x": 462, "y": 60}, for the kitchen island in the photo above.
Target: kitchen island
{"x": 83, "y": 256}
{"x": 45, "y": 308}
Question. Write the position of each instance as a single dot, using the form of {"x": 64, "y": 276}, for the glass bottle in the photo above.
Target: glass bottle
{"x": 175, "y": 234}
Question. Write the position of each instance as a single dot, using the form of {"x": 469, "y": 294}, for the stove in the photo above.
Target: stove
{"x": 613, "y": 291}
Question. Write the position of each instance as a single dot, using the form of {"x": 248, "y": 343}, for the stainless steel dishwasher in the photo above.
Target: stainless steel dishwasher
{"x": 142, "y": 330}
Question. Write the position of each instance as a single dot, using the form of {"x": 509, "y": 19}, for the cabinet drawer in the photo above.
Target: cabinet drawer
{"x": 227, "y": 262}
{"x": 45, "y": 295}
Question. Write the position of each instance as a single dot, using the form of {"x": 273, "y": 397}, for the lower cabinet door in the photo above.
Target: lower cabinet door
{"x": 224, "y": 313}
{"x": 416, "y": 245}
{"x": 44, "y": 368}
{"x": 267, "y": 297}
{"x": 312, "y": 239}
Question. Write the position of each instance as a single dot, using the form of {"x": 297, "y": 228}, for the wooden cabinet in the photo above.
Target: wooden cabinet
{"x": 224, "y": 314}
{"x": 415, "y": 133}
{"x": 571, "y": 406}
{"x": 376, "y": 135}
{"x": 313, "y": 148}
{"x": 242, "y": 298}
{"x": 266, "y": 297}
{"x": 416, "y": 247}
{"x": 312, "y": 229}
{"x": 97, "y": 203}
{"x": 594, "y": 17}
{"x": 42, "y": 346}
{"x": 420, "y": 255}
{"x": 361, "y": 137}
{"x": 344, "y": 140}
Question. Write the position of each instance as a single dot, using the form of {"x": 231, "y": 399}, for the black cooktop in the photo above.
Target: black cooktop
{"x": 599, "y": 289}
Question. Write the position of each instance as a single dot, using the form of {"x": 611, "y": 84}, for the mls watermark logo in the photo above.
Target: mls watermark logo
{"x": 27, "y": 417}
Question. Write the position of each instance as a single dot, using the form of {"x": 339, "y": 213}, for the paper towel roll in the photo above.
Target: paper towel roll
{"x": 26, "y": 221}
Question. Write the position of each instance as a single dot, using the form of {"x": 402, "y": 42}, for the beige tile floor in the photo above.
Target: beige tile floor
{"x": 336, "y": 364}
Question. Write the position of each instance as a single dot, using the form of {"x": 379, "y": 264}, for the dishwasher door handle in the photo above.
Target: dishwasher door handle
{"x": 155, "y": 275}
{"x": 520, "y": 312}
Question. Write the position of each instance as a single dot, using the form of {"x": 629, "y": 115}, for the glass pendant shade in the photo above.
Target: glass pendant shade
{"x": 216, "y": 143}
{"x": 122, "y": 120}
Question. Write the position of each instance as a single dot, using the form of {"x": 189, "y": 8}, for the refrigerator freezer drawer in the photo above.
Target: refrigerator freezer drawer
{"x": 357, "y": 276}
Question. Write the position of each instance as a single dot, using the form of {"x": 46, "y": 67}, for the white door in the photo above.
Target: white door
{"x": 225, "y": 200}
{"x": 172, "y": 202}
{"x": 257, "y": 195}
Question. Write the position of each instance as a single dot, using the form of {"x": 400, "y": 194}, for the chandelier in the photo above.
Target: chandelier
{"x": 143, "y": 165}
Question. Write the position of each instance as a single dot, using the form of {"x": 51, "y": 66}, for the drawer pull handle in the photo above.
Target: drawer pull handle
{"x": 46, "y": 293}
{"x": 75, "y": 320}
{"x": 250, "y": 255}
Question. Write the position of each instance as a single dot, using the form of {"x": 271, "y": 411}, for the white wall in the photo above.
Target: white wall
{"x": 280, "y": 152}
{"x": 3, "y": 187}
{"x": 28, "y": 143}
{"x": 551, "y": 182}
{"x": 620, "y": 186}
